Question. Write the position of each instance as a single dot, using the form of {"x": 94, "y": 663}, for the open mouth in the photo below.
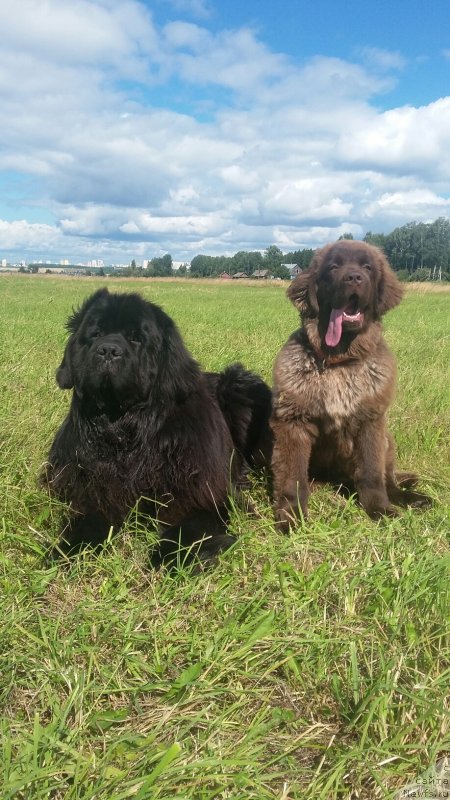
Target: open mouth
{"x": 351, "y": 312}
{"x": 349, "y": 315}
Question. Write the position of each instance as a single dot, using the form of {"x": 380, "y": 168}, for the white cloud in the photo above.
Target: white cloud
{"x": 384, "y": 59}
{"x": 417, "y": 204}
{"x": 264, "y": 149}
{"x": 234, "y": 59}
{"x": 404, "y": 140}
{"x": 26, "y": 235}
{"x": 196, "y": 8}
{"x": 81, "y": 32}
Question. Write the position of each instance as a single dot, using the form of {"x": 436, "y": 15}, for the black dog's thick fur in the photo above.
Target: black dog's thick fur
{"x": 147, "y": 426}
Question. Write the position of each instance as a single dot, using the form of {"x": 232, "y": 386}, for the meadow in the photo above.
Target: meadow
{"x": 308, "y": 667}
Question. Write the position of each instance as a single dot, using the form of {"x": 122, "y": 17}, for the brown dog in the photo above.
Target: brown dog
{"x": 334, "y": 381}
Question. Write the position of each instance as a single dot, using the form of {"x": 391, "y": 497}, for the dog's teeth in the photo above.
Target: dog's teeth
{"x": 352, "y": 317}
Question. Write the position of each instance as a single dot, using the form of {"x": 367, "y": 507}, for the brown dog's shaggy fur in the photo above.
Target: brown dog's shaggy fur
{"x": 334, "y": 381}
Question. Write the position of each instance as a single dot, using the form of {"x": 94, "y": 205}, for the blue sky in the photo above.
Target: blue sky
{"x": 130, "y": 129}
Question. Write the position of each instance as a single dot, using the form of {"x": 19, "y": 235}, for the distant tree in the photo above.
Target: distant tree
{"x": 281, "y": 271}
{"x": 273, "y": 258}
{"x": 409, "y": 248}
{"x": 416, "y": 245}
{"x": 200, "y": 266}
{"x": 403, "y": 275}
{"x": 421, "y": 274}
{"x": 161, "y": 267}
{"x": 376, "y": 239}
{"x": 133, "y": 264}
{"x": 34, "y": 268}
{"x": 209, "y": 266}
{"x": 273, "y": 261}
{"x": 246, "y": 261}
{"x": 101, "y": 272}
{"x": 300, "y": 257}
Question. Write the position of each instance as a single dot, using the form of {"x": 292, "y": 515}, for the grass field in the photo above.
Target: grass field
{"x": 308, "y": 667}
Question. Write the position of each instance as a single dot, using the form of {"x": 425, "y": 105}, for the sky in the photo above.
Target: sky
{"x": 132, "y": 129}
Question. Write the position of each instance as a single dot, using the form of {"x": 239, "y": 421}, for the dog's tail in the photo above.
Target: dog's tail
{"x": 246, "y": 403}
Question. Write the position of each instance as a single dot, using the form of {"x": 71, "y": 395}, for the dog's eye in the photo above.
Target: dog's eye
{"x": 94, "y": 334}
{"x": 368, "y": 267}
{"x": 135, "y": 337}
{"x": 332, "y": 267}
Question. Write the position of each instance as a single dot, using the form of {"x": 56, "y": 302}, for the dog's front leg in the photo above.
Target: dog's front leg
{"x": 370, "y": 469}
{"x": 79, "y": 531}
{"x": 293, "y": 443}
{"x": 199, "y": 537}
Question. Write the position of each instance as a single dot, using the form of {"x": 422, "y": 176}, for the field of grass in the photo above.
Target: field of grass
{"x": 308, "y": 667}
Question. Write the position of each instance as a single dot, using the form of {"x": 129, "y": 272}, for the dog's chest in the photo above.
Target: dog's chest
{"x": 334, "y": 393}
{"x": 107, "y": 445}
{"x": 342, "y": 392}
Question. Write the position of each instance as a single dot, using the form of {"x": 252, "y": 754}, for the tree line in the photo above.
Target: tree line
{"x": 204, "y": 266}
{"x": 416, "y": 251}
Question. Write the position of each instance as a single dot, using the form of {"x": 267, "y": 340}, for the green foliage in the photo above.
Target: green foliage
{"x": 305, "y": 667}
{"x": 281, "y": 271}
{"x": 246, "y": 261}
{"x": 209, "y": 266}
{"x": 421, "y": 274}
{"x": 160, "y": 267}
{"x": 413, "y": 248}
{"x": 416, "y": 245}
{"x": 403, "y": 275}
{"x": 417, "y": 251}
{"x": 300, "y": 257}
{"x": 273, "y": 257}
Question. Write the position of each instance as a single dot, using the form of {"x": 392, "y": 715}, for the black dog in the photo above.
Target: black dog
{"x": 147, "y": 426}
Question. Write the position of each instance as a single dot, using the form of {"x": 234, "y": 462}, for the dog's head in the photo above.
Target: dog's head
{"x": 121, "y": 350}
{"x": 347, "y": 286}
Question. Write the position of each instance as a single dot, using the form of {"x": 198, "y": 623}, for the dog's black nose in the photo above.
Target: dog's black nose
{"x": 109, "y": 350}
{"x": 353, "y": 277}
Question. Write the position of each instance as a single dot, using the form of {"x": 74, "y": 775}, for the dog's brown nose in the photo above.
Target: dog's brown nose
{"x": 354, "y": 277}
{"x": 109, "y": 350}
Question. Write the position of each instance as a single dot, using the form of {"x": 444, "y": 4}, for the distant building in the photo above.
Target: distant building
{"x": 239, "y": 275}
{"x": 294, "y": 269}
{"x": 225, "y": 276}
{"x": 261, "y": 274}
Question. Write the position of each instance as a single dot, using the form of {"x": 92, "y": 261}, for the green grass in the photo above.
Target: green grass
{"x": 312, "y": 666}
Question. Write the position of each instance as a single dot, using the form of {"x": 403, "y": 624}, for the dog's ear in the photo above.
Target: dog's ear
{"x": 178, "y": 373}
{"x": 64, "y": 376}
{"x": 303, "y": 291}
{"x": 76, "y": 318}
{"x": 64, "y": 373}
{"x": 389, "y": 288}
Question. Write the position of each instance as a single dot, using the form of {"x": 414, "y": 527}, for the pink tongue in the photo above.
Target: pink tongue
{"x": 334, "y": 332}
